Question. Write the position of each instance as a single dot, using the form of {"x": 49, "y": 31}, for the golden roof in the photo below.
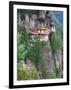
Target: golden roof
{"x": 42, "y": 26}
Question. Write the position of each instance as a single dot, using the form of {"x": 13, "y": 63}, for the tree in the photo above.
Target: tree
{"x": 56, "y": 41}
{"x": 35, "y": 52}
{"x": 22, "y": 42}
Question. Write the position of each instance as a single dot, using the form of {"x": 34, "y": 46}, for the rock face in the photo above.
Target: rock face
{"x": 58, "y": 57}
{"x": 19, "y": 19}
{"x": 47, "y": 66}
{"x": 51, "y": 66}
{"x": 42, "y": 14}
{"x": 26, "y": 23}
{"x": 27, "y": 19}
{"x": 58, "y": 61}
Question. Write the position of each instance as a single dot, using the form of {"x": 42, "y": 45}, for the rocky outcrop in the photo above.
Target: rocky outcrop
{"x": 58, "y": 63}
{"x": 51, "y": 64}
{"x": 47, "y": 65}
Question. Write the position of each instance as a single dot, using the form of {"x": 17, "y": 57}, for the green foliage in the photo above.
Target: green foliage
{"x": 58, "y": 71}
{"x": 35, "y": 52}
{"x": 24, "y": 12}
{"x": 22, "y": 42}
{"x": 23, "y": 36}
{"x": 24, "y": 48}
{"x": 26, "y": 73}
{"x": 52, "y": 75}
{"x": 56, "y": 41}
{"x": 20, "y": 52}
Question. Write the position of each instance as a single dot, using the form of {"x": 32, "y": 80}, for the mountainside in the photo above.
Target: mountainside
{"x": 37, "y": 48}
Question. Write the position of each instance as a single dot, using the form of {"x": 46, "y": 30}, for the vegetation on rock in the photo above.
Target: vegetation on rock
{"x": 45, "y": 57}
